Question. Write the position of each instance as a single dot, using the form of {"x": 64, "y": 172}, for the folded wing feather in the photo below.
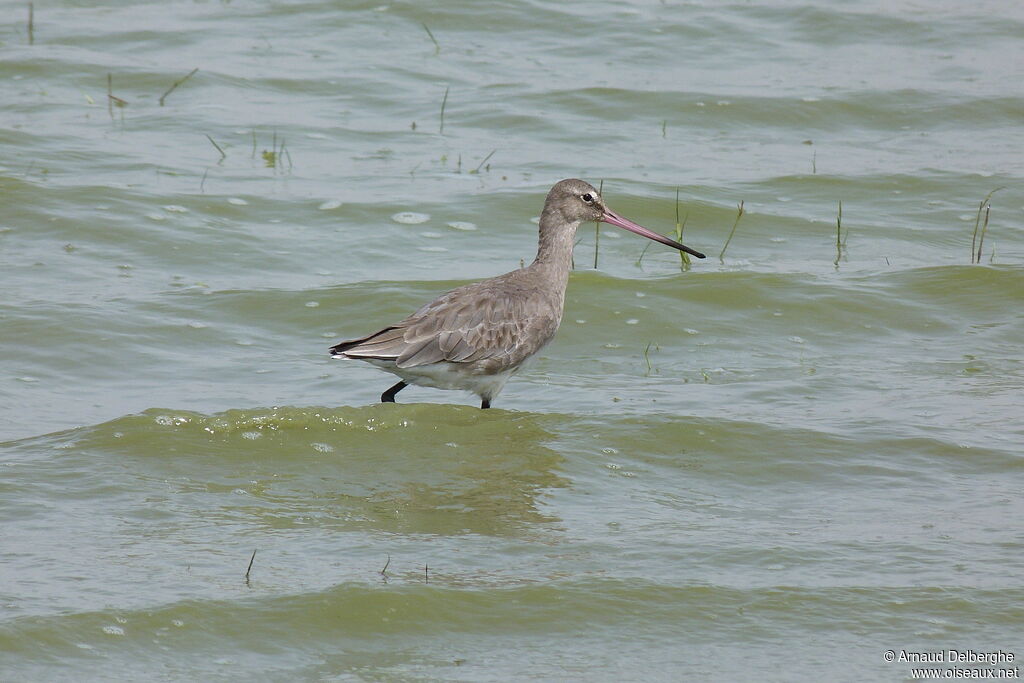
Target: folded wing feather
{"x": 459, "y": 328}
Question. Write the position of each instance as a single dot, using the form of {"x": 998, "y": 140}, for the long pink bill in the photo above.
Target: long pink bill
{"x": 618, "y": 221}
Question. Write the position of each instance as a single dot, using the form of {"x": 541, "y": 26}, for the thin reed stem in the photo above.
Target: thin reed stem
{"x": 684, "y": 258}
{"x": 249, "y": 569}
{"x": 984, "y": 229}
{"x": 477, "y": 169}
{"x": 639, "y": 261}
{"x": 739, "y": 215}
{"x": 444, "y": 102}
{"x": 976, "y": 252}
{"x": 437, "y": 47}
{"x": 176, "y": 84}
{"x": 839, "y": 230}
{"x": 223, "y": 156}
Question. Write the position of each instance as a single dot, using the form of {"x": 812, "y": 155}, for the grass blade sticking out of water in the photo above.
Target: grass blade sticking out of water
{"x": 739, "y": 215}
{"x": 976, "y": 248}
{"x": 176, "y": 84}
{"x": 223, "y": 156}
{"x": 437, "y": 47}
{"x": 647, "y": 358}
{"x": 639, "y": 261}
{"x": 984, "y": 229}
{"x": 113, "y": 99}
{"x": 684, "y": 258}
{"x": 270, "y": 156}
{"x": 481, "y": 164}
{"x": 840, "y": 241}
{"x": 31, "y": 24}
{"x": 597, "y": 229}
{"x": 444, "y": 102}
{"x": 287, "y": 154}
{"x": 275, "y": 156}
{"x": 249, "y": 569}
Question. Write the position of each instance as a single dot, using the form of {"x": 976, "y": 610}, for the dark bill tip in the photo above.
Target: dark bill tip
{"x": 626, "y": 224}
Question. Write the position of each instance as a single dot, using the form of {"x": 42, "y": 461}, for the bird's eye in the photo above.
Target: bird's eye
{"x": 588, "y": 198}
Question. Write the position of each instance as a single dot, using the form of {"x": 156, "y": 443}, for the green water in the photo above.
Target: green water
{"x": 775, "y": 465}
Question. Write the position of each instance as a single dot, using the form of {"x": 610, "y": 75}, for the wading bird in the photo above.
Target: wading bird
{"x": 474, "y": 337}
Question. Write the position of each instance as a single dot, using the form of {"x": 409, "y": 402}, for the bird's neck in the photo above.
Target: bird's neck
{"x": 554, "y": 247}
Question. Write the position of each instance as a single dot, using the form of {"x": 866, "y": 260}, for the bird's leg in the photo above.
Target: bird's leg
{"x": 485, "y": 403}
{"x": 389, "y": 395}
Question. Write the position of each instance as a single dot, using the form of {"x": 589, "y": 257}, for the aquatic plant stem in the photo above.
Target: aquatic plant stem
{"x": 976, "y": 253}
{"x": 739, "y": 215}
{"x": 444, "y": 102}
{"x": 249, "y": 569}
{"x": 684, "y": 258}
{"x": 223, "y": 156}
{"x": 839, "y": 230}
{"x": 480, "y": 165}
{"x": 176, "y": 84}
{"x": 437, "y": 47}
{"x": 984, "y": 229}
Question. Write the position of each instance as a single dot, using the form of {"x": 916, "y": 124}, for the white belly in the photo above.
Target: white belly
{"x": 449, "y": 376}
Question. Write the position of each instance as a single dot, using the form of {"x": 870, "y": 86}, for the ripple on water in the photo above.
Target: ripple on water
{"x": 410, "y": 217}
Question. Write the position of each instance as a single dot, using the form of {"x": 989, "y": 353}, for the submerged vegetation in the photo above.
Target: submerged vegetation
{"x": 978, "y": 240}
{"x": 176, "y": 84}
{"x": 275, "y": 156}
{"x": 278, "y": 158}
{"x": 444, "y": 102}
{"x": 485, "y": 160}
{"x": 112, "y": 99}
{"x": 213, "y": 142}
{"x": 739, "y": 215}
{"x": 684, "y": 258}
{"x": 840, "y": 238}
{"x": 437, "y": 46}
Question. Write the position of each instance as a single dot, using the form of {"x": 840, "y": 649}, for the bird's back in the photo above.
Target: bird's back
{"x": 492, "y": 326}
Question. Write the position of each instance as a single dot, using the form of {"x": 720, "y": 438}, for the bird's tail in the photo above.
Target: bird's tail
{"x": 339, "y": 349}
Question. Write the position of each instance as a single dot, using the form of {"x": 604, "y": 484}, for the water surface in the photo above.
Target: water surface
{"x": 773, "y": 465}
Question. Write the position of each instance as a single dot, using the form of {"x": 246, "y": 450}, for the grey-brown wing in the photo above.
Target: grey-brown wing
{"x": 472, "y": 323}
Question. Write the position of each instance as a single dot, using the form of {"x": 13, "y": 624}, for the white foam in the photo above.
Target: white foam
{"x": 410, "y": 217}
